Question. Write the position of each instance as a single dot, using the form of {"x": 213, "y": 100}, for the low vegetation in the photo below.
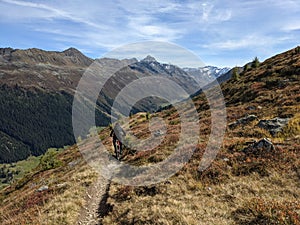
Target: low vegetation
{"x": 51, "y": 193}
{"x": 240, "y": 186}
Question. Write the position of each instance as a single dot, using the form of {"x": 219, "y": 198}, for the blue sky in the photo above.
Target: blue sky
{"x": 220, "y": 32}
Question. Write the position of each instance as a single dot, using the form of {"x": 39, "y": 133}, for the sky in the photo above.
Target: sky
{"x": 220, "y": 32}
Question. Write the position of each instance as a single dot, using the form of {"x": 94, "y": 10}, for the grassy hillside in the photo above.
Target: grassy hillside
{"x": 12, "y": 172}
{"x": 242, "y": 186}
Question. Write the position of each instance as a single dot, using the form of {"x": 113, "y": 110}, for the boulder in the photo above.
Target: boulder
{"x": 243, "y": 121}
{"x": 274, "y": 125}
{"x": 262, "y": 146}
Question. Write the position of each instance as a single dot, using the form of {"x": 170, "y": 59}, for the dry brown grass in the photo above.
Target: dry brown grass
{"x": 60, "y": 204}
{"x": 239, "y": 187}
{"x": 188, "y": 201}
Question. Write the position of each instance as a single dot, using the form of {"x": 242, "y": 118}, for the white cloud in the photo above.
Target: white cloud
{"x": 219, "y": 25}
{"x": 250, "y": 41}
{"x": 51, "y": 12}
{"x": 292, "y": 26}
{"x": 33, "y": 5}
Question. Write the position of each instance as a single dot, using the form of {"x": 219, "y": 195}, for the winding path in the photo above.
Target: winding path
{"x": 96, "y": 203}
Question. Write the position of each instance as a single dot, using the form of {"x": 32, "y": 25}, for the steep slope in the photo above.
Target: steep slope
{"x": 244, "y": 185}
{"x": 36, "y": 98}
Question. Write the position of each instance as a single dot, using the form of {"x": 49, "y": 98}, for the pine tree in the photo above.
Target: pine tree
{"x": 255, "y": 62}
{"x": 235, "y": 73}
{"x": 246, "y": 67}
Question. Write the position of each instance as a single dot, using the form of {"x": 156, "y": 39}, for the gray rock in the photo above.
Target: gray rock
{"x": 43, "y": 188}
{"x": 251, "y": 108}
{"x": 62, "y": 185}
{"x": 243, "y": 121}
{"x": 263, "y": 145}
{"x": 73, "y": 163}
{"x": 274, "y": 125}
{"x": 157, "y": 133}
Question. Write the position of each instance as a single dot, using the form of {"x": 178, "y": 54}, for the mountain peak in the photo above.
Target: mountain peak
{"x": 149, "y": 59}
{"x": 72, "y": 52}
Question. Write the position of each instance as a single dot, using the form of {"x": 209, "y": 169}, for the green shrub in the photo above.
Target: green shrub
{"x": 49, "y": 159}
{"x": 255, "y": 63}
{"x": 147, "y": 116}
{"x": 235, "y": 73}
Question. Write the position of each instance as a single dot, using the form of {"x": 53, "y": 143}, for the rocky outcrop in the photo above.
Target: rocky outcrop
{"x": 242, "y": 121}
{"x": 5, "y": 54}
{"x": 258, "y": 147}
{"x": 150, "y": 66}
{"x": 274, "y": 125}
{"x": 149, "y": 59}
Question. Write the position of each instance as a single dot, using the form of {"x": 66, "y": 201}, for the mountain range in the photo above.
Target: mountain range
{"x": 207, "y": 73}
{"x": 37, "y": 89}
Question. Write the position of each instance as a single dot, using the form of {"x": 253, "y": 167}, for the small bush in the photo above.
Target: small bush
{"x": 49, "y": 160}
{"x": 235, "y": 73}
{"x": 292, "y": 129}
{"x": 255, "y": 63}
{"x": 258, "y": 211}
{"x": 147, "y": 116}
{"x": 248, "y": 168}
{"x": 174, "y": 122}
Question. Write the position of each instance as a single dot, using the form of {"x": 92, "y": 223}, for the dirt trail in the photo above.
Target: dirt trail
{"x": 96, "y": 205}
{"x": 97, "y": 194}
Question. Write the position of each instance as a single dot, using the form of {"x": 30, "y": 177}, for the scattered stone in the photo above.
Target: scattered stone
{"x": 242, "y": 121}
{"x": 274, "y": 125}
{"x": 43, "y": 188}
{"x": 226, "y": 159}
{"x": 73, "y": 163}
{"x": 263, "y": 145}
{"x": 168, "y": 182}
{"x": 157, "y": 133}
{"x": 249, "y": 108}
{"x": 32, "y": 185}
{"x": 62, "y": 185}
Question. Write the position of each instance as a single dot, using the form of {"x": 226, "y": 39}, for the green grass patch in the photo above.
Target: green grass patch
{"x": 16, "y": 171}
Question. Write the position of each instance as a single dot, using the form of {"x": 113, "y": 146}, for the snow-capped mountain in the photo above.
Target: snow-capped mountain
{"x": 206, "y": 74}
